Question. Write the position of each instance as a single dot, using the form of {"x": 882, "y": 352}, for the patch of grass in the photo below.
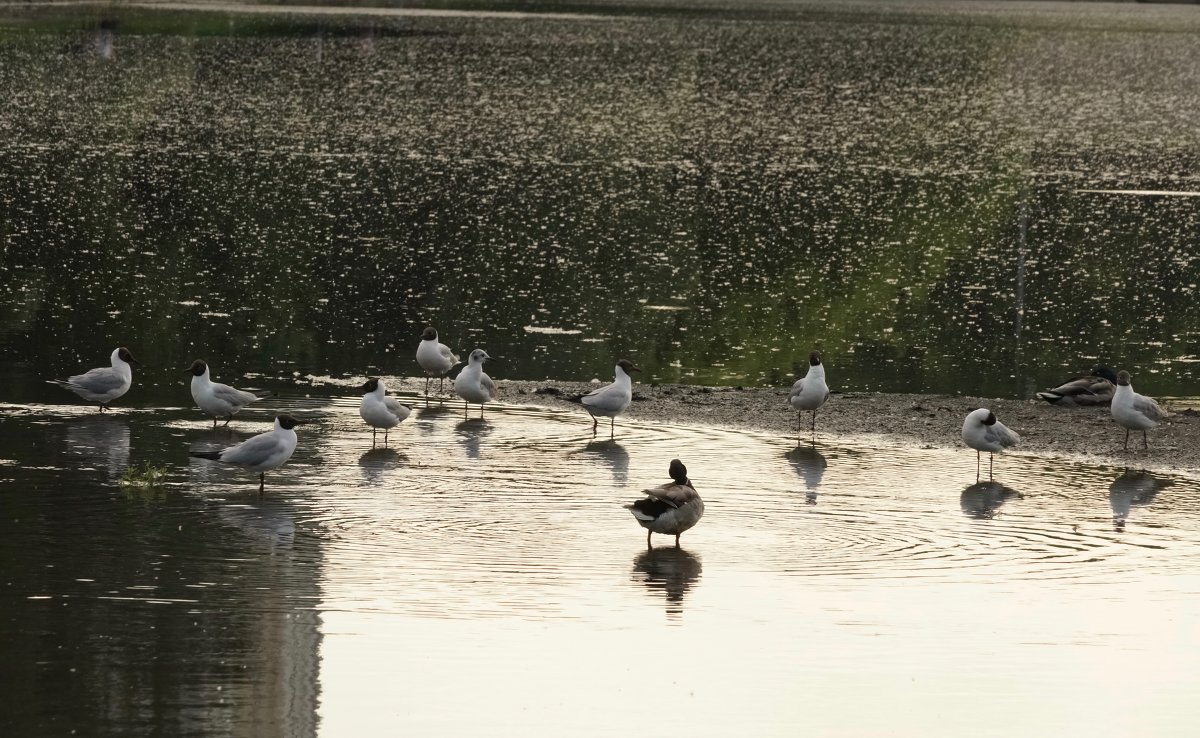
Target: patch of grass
{"x": 145, "y": 475}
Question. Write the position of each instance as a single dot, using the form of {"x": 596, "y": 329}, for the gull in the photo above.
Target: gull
{"x": 379, "y": 410}
{"x": 435, "y": 358}
{"x": 103, "y": 384}
{"x": 1094, "y": 389}
{"x": 669, "y": 508}
{"x": 472, "y": 384}
{"x": 1134, "y": 411}
{"x": 216, "y": 399}
{"x": 982, "y": 432}
{"x": 611, "y": 400}
{"x": 262, "y": 453}
{"x": 811, "y": 392}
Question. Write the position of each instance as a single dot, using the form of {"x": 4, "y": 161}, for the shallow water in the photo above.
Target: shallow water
{"x": 944, "y": 197}
{"x": 490, "y": 562}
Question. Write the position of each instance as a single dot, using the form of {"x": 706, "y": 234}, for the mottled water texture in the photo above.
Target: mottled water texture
{"x": 375, "y": 590}
{"x": 944, "y": 197}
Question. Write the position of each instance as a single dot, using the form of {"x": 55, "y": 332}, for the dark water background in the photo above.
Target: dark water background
{"x": 711, "y": 191}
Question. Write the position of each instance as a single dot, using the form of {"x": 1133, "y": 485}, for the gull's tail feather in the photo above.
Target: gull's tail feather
{"x": 212, "y": 455}
{"x": 262, "y": 394}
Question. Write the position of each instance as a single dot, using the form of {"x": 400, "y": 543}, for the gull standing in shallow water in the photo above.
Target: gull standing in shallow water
{"x": 811, "y": 392}
{"x": 103, "y": 384}
{"x": 262, "y": 453}
{"x": 1134, "y": 411}
{"x": 669, "y": 508}
{"x": 982, "y": 432}
{"x": 435, "y": 358}
{"x": 473, "y": 385}
{"x": 216, "y": 399}
{"x": 379, "y": 410}
{"x": 611, "y": 400}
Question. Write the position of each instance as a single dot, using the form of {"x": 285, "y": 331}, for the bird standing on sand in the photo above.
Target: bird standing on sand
{"x": 811, "y": 392}
{"x": 669, "y": 509}
{"x": 1133, "y": 411}
{"x": 1095, "y": 389}
{"x": 218, "y": 400}
{"x": 103, "y": 384}
{"x": 611, "y": 400}
{"x": 379, "y": 410}
{"x": 262, "y": 453}
{"x": 435, "y": 358}
{"x": 472, "y": 384}
{"x": 982, "y": 432}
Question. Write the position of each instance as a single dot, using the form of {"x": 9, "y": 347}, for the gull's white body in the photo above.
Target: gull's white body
{"x": 435, "y": 358}
{"x": 216, "y": 399}
{"x": 380, "y": 411}
{"x": 810, "y": 392}
{"x": 990, "y": 438}
{"x": 613, "y": 399}
{"x": 1134, "y": 411}
{"x": 472, "y": 383}
{"x": 263, "y": 452}
{"x": 103, "y": 384}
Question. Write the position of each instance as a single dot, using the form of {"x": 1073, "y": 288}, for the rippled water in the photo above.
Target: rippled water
{"x": 490, "y": 562}
{"x": 974, "y": 198}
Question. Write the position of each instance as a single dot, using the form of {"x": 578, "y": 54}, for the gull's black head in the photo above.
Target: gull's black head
{"x": 370, "y": 385}
{"x": 124, "y": 355}
{"x": 288, "y": 422}
{"x": 814, "y": 359}
{"x": 429, "y": 334}
{"x": 628, "y": 366}
{"x": 1105, "y": 372}
{"x": 197, "y": 368}
{"x": 1123, "y": 379}
{"x": 679, "y": 472}
{"x": 990, "y": 419}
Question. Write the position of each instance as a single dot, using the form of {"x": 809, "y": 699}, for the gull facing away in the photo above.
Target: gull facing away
{"x": 1134, "y": 411}
{"x": 262, "y": 453}
{"x": 379, "y": 410}
{"x": 216, "y": 399}
{"x": 671, "y": 508}
{"x": 611, "y": 400}
{"x": 811, "y": 392}
{"x": 982, "y": 432}
{"x": 435, "y": 358}
{"x": 103, "y": 384}
{"x": 1095, "y": 389}
{"x": 473, "y": 385}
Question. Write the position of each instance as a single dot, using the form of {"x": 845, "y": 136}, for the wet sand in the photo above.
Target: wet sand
{"x": 1088, "y": 435}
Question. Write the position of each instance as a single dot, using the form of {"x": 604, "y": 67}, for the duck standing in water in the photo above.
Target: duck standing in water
{"x": 380, "y": 411}
{"x": 1133, "y": 411}
{"x": 1095, "y": 389}
{"x": 810, "y": 392}
{"x": 611, "y": 400}
{"x": 982, "y": 432}
{"x": 669, "y": 509}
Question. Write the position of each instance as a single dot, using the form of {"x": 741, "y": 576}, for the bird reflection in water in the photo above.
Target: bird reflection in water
{"x": 103, "y": 441}
{"x": 1132, "y": 489}
{"x": 267, "y": 521}
{"x": 427, "y": 418}
{"x": 614, "y": 456}
{"x": 375, "y": 462}
{"x": 471, "y": 433}
{"x": 669, "y": 570}
{"x": 809, "y": 464}
{"x": 983, "y": 499}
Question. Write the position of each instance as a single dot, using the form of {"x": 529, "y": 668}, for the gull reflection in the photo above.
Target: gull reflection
{"x": 614, "y": 456}
{"x": 426, "y": 418}
{"x": 267, "y": 521}
{"x": 471, "y": 433}
{"x": 103, "y": 441}
{"x": 1132, "y": 489}
{"x": 671, "y": 571}
{"x": 375, "y": 462}
{"x": 810, "y": 464}
{"x": 983, "y": 499}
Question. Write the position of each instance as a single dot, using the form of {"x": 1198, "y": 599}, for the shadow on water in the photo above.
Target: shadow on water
{"x": 1133, "y": 489}
{"x": 470, "y": 434}
{"x": 810, "y": 465}
{"x": 984, "y": 499}
{"x": 103, "y": 441}
{"x": 670, "y": 571}
{"x": 377, "y": 462}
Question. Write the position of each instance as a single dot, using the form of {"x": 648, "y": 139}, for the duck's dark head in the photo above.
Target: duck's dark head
{"x": 1106, "y": 373}
{"x": 814, "y": 359}
{"x": 429, "y": 334}
{"x": 197, "y": 368}
{"x": 628, "y": 366}
{"x": 370, "y": 385}
{"x": 679, "y": 473}
{"x": 287, "y": 422}
{"x": 124, "y": 355}
{"x": 1123, "y": 379}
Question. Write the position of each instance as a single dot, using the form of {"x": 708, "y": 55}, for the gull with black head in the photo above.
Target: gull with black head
{"x": 810, "y": 392}
{"x": 216, "y": 399}
{"x": 103, "y": 384}
{"x": 262, "y": 453}
{"x": 982, "y": 432}
{"x": 473, "y": 384}
{"x": 670, "y": 508}
{"x": 611, "y": 400}
{"x": 1133, "y": 411}
{"x": 379, "y": 410}
{"x": 435, "y": 358}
